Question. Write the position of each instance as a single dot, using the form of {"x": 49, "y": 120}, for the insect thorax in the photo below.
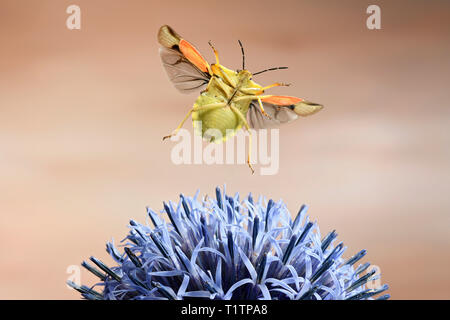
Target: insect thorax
{"x": 223, "y": 121}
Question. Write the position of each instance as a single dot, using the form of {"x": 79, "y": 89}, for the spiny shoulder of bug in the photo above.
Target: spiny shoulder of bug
{"x": 236, "y": 79}
{"x": 240, "y": 79}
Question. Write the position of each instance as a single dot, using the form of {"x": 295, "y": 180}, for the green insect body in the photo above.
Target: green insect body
{"x": 231, "y": 100}
{"x": 223, "y": 121}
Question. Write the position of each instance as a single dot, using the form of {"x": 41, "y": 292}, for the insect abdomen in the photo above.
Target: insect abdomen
{"x": 216, "y": 124}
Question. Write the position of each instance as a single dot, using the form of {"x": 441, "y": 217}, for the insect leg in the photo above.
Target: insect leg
{"x": 196, "y": 108}
{"x": 179, "y": 127}
{"x": 217, "y": 68}
{"x": 216, "y": 53}
{"x": 262, "y": 108}
{"x": 244, "y": 121}
{"x": 277, "y": 84}
{"x": 222, "y": 86}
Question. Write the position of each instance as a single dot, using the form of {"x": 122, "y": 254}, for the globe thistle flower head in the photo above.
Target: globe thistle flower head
{"x": 225, "y": 248}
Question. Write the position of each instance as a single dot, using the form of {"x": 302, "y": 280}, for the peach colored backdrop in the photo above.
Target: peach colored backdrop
{"x": 82, "y": 114}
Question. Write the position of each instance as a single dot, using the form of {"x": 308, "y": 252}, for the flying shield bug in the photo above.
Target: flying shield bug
{"x": 229, "y": 99}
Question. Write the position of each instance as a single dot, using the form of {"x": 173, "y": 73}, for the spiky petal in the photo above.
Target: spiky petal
{"x": 225, "y": 248}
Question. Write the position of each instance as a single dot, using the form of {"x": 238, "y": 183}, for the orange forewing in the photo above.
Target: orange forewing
{"x": 281, "y": 100}
{"x": 189, "y": 51}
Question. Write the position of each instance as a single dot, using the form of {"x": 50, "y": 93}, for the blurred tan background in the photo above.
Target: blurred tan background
{"x": 82, "y": 114}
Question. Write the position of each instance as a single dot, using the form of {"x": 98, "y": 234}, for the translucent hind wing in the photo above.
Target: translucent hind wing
{"x": 278, "y": 115}
{"x": 185, "y": 76}
{"x": 281, "y": 109}
{"x": 185, "y": 66}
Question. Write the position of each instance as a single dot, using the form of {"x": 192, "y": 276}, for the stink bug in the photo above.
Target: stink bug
{"x": 230, "y": 99}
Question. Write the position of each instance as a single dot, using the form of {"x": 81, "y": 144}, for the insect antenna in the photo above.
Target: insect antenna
{"x": 243, "y": 54}
{"x": 270, "y": 69}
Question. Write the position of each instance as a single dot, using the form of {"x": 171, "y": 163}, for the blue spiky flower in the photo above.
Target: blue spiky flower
{"x": 225, "y": 248}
